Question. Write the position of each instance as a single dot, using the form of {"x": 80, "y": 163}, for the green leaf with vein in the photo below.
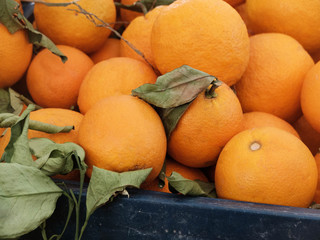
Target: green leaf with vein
{"x": 179, "y": 184}
{"x": 27, "y": 198}
{"x": 54, "y": 158}
{"x": 14, "y": 20}
{"x": 104, "y": 185}
{"x": 175, "y": 88}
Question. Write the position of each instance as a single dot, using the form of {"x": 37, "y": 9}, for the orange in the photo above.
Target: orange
{"x": 299, "y": 19}
{"x": 138, "y": 33}
{"x": 208, "y": 35}
{"x": 173, "y": 166}
{"x": 263, "y": 119}
{"x": 123, "y": 133}
{"x": 266, "y": 165}
{"x": 110, "y": 49}
{"x": 205, "y": 127}
{"x": 273, "y": 79}
{"x": 55, "y": 116}
{"x": 52, "y": 83}
{"x": 128, "y": 15}
{"x": 308, "y": 135}
{"x": 235, "y": 3}
{"x": 316, "y": 197}
{"x": 310, "y": 97}
{"x": 67, "y": 27}
{"x": 114, "y": 76}
{"x": 242, "y": 10}
{"x": 15, "y": 56}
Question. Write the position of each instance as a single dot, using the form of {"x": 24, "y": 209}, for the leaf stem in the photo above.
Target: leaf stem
{"x": 210, "y": 93}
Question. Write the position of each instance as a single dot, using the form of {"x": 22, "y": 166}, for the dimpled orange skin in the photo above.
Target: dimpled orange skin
{"x": 263, "y": 119}
{"x": 208, "y": 35}
{"x": 173, "y": 166}
{"x": 123, "y": 133}
{"x": 273, "y": 79}
{"x": 138, "y": 33}
{"x": 299, "y": 19}
{"x": 15, "y": 56}
{"x": 67, "y": 27}
{"x": 55, "y": 84}
{"x": 115, "y": 76}
{"x": 266, "y": 165}
{"x": 310, "y": 103}
{"x": 205, "y": 127}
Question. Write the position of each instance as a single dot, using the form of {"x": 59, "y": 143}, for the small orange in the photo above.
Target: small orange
{"x": 138, "y": 33}
{"x": 128, "y": 15}
{"x": 205, "y": 127}
{"x": 273, "y": 79}
{"x": 308, "y": 135}
{"x": 173, "y": 166}
{"x": 66, "y": 26}
{"x": 15, "y": 56}
{"x": 123, "y": 133}
{"x": 208, "y": 35}
{"x": 263, "y": 119}
{"x": 110, "y": 49}
{"x": 266, "y": 165}
{"x": 114, "y": 76}
{"x": 51, "y": 82}
{"x": 296, "y": 18}
{"x": 310, "y": 97}
{"x": 316, "y": 197}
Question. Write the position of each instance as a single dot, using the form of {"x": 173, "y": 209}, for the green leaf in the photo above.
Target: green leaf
{"x": 104, "y": 185}
{"x": 171, "y": 116}
{"x": 179, "y": 184}
{"x": 27, "y": 198}
{"x": 175, "y": 88}
{"x": 14, "y": 20}
{"x": 54, "y": 158}
{"x": 5, "y": 101}
{"x": 17, "y": 150}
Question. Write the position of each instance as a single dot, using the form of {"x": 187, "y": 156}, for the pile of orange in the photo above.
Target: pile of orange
{"x": 258, "y": 132}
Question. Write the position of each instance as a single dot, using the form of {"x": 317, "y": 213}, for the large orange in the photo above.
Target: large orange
{"x": 114, "y": 76}
{"x": 316, "y": 197}
{"x": 266, "y": 165}
{"x": 308, "y": 135}
{"x": 52, "y": 83}
{"x": 208, "y": 35}
{"x": 205, "y": 127}
{"x": 263, "y": 119}
{"x": 123, "y": 133}
{"x": 138, "y": 34}
{"x": 310, "y": 103}
{"x": 65, "y": 26}
{"x": 173, "y": 166}
{"x": 273, "y": 79}
{"x": 299, "y": 19}
{"x": 15, "y": 56}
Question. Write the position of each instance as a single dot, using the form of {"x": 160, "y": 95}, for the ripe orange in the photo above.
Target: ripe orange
{"x": 128, "y": 15}
{"x": 123, "y": 133}
{"x": 310, "y": 97}
{"x": 242, "y": 10}
{"x": 273, "y": 79}
{"x": 115, "y": 76}
{"x": 263, "y": 119}
{"x": 110, "y": 49}
{"x": 173, "y": 166}
{"x": 316, "y": 197}
{"x": 51, "y": 82}
{"x": 266, "y": 165}
{"x": 308, "y": 135}
{"x": 299, "y": 19}
{"x": 205, "y": 127}
{"x": 208, "y": 35}
{"x": 15, "y": 56}
{"x": 55, "y": 116}
{"x": 138, "y": 33}
{"x": 66, "y": 27}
